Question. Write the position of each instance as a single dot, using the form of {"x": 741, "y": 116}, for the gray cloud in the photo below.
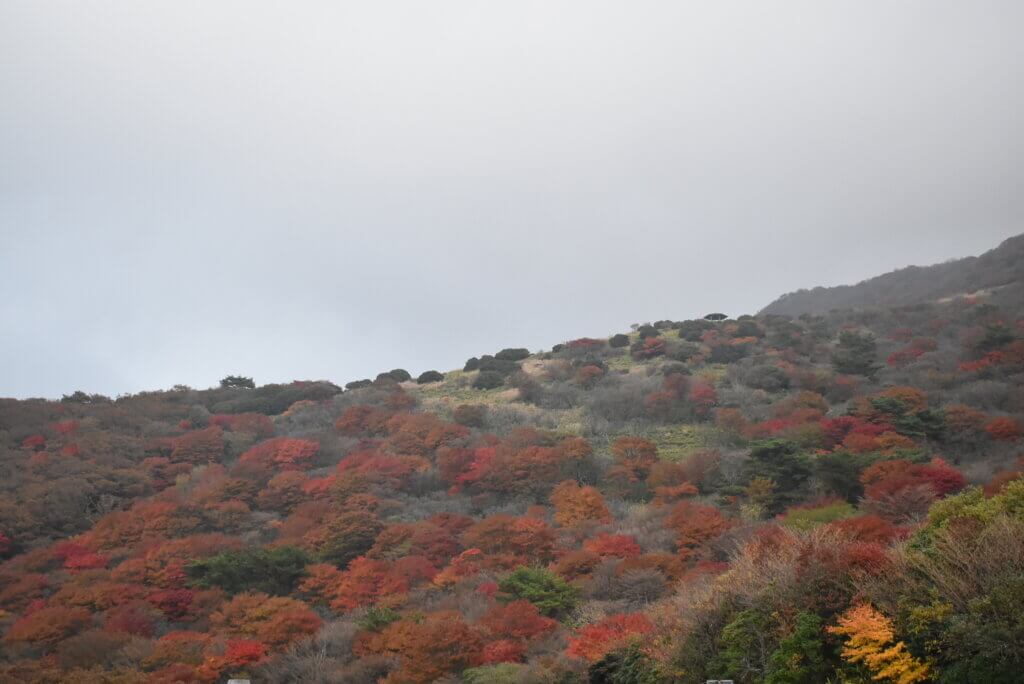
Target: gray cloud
{"x": 189, "y": 189}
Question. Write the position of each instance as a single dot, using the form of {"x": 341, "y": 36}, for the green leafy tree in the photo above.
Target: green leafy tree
{"x": 626, "y": 666}
{"x": 856, "y": 354}
{"x": 377, "y": 618}
{"x": 800, "y": 657}
{"x": 550, "y": 593}
{"x": 743, "y": 648}
{"x": 237, "y": 381}
{"x": 781, "y": 462}
{"x": 271, "y": 571}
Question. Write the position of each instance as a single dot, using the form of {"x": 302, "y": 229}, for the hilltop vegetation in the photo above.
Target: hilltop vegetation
{"x": 998, "y": 273}
{"x": 763, "y": 499}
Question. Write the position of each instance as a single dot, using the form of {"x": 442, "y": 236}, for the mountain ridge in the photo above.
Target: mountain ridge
{"x": 997, "y": 268}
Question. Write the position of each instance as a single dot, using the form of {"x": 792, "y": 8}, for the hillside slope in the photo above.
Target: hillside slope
{"x": 693, "y": 500}
{"x": 998, "y": 272}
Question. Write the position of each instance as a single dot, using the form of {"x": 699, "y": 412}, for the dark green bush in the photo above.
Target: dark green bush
{"x": 273, "y": 571}
{"x": 618, "y": 341}
{"x": 489, "y": 380}
{"x": 429, "y": 376}
{"x": 237, "y": 381}
{"x": 727, "y": 353}
{"x": 855, "y": 354}
{"x": 517, "y": 354}
{"x": 503, "y": 366}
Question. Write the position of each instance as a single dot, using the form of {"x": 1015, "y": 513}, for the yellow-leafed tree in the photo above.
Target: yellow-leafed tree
{"x": 870, "y": 641}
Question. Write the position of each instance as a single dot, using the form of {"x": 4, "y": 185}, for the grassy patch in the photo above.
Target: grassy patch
{"x": 676, "y": 442}
{"x": 622, "y": 362}
{"x": 808, "y": 518}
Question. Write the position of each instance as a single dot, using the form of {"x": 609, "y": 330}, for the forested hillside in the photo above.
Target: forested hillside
{"x": 763, "y": 498}
{"x": 997, "y": 274}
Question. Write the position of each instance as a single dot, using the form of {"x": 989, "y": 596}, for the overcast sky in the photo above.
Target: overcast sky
{"x": 303, "y": 190}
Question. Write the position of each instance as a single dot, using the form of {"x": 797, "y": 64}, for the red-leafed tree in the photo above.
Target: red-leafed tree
{"x": 279, "y": 453}
{"x": 594, "y": 641}
{"x": 48, "y": 625}
{"x": 1004, "y": 429}
{"x": 696, "y": 524}
{"x": 516, "y": 620}
{"x": 613, "y": 546}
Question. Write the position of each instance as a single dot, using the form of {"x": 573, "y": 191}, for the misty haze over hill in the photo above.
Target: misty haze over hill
{"x": 998, "y": 273}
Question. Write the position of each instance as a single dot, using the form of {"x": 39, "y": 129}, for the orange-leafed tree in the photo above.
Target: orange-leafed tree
{"x": 635, "y": 452}
{"x": 365, "y": 581}
{"x": 199, "y": 446}
{"x": 517, "y": 539}
{"x": 275, "y": 621}
{"x": 284, "y": 491}
{"x": 576, "y": 505}
{"x": 440, "y": 644}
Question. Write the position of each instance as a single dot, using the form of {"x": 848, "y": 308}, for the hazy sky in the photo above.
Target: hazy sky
{"x": 327, "y": 190}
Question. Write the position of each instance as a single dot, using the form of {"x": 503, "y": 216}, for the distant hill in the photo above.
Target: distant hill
{"x": 998, "y": 273}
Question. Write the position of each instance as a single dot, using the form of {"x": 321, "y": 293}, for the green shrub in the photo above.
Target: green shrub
{"x": 429, "y": 376}
{"x": 618, "y": 341}
{"x": 472, "y": 364}
{"x": 503, "y": 366}
{"x": 728, "y": 353}
{"x": 517, "y": 354}
{"x": 400, "y": 375}
{"x": 488, "y": 380}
